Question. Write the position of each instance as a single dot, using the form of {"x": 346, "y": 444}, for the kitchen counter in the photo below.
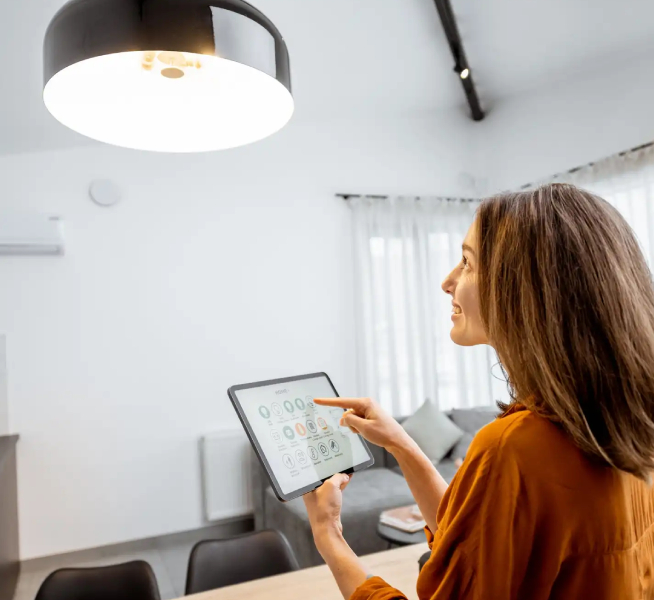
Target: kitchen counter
{"x": 9, "y": 555}
{"x": 7, "y": 446}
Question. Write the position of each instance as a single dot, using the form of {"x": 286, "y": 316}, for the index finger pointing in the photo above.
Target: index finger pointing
{"x": 357, "y": 404}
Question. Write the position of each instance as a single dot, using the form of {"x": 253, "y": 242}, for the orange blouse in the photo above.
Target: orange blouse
{"x": 530, "y": 517}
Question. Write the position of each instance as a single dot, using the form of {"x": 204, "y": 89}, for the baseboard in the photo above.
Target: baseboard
{"x": 225, "y": 528}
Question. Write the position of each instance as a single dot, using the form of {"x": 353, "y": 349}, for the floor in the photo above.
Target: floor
{"x": 168, "y": 556}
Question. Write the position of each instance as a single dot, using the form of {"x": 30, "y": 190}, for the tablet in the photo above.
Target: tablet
{"x": 299, "y": 443}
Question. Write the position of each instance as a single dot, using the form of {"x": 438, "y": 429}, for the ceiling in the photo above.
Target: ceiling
{"x": 372, "y": 58}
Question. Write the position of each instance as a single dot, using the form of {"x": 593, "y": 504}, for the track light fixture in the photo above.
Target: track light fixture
{"x": 460, "y": 61}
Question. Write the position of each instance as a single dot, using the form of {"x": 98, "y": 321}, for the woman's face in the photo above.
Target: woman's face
{"x": 461, "y": 284}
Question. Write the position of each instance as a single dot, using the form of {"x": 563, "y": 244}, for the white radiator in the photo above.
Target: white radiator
{"x": 226, "y": 474}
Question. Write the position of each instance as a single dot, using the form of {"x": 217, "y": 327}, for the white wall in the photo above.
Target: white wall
{"x": 214, "y": 270}
{"x": 531, "y": 136}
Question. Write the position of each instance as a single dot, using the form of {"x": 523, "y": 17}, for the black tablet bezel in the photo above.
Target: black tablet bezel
{"x": 231, "y": 392}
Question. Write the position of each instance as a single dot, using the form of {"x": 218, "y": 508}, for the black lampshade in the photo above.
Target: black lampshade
{"x": 167, "y": 75}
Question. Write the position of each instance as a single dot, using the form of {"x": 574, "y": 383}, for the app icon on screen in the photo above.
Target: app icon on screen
{"x": 313, "y": 453}
{"x": 288, "y": 461}
{"x": 323, "y": 449}
{"x": 301, "y": 457}
{"x": 274, "y": 434}
{"x": 288, "y": 432}
{"x": 264, "y": 412}
{"x": 333, "y": 445}
{"x": 300, "y": 429}
{"x": 288, "y": 405}
{"x": 277, "y": 409}
{"x": 311, "y": 426}
{"x": 299, "y": 403}
{"x": 321, "y": 423}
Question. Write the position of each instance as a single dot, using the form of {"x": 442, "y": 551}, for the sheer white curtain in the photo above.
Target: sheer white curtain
{"x": 626, "y": 181}
{"x": 404, "y": 248}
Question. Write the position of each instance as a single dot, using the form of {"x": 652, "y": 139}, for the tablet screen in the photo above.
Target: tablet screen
{"x": 302, "y": 442}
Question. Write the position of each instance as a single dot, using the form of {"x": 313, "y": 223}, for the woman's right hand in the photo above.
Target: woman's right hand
{"x": 365, "y": 416}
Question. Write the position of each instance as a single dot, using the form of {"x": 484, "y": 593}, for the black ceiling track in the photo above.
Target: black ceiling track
{"x": 461, "y": 65}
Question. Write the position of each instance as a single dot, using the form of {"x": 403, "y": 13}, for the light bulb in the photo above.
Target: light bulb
{"x": 172, "y": 78}
{"x": 168, "y": 101}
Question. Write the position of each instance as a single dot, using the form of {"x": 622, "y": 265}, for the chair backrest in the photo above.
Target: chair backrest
{"x": 128, "y": 581}
{"x": 217, "y": 563}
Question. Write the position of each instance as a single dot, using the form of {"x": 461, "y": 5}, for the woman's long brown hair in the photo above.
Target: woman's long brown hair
{"x": 568, "y": 303}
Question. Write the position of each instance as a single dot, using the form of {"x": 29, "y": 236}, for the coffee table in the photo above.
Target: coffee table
{"x": 396, "y": 537}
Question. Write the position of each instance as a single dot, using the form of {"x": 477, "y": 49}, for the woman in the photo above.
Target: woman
{"x": 554, "y": 499}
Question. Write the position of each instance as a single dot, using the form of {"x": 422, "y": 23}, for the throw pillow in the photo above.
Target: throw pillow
{"x": 433, "y": 431}
{"x": 461, "y": 447}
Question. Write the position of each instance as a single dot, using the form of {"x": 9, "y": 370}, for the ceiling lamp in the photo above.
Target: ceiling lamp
{"x": 167, "y": 75}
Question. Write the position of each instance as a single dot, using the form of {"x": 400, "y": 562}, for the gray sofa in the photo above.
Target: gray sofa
{"x": 369, "y": 493}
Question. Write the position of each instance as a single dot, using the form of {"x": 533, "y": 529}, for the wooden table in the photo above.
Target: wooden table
{"x": 398, "y": 567}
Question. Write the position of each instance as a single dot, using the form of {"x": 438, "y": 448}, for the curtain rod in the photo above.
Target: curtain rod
{"x": 590, "y": 164}
{"x": 347, "y": 197}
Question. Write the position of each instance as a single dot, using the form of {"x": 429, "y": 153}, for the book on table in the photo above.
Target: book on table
{"x": 404, "y": 518}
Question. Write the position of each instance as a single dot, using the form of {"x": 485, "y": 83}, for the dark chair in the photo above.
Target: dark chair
{"x": 423, "y": 559}
{"x": 217, "y": 563}
{"x": 128, "y": 581}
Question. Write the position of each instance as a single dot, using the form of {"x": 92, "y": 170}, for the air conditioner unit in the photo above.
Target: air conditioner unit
{"x": 30, "y": 234}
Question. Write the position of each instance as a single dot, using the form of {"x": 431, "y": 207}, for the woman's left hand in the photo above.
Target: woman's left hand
{"x": 324, "y": 505}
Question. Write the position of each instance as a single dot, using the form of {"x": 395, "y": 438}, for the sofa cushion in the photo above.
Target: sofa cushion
{"x": 377, "y": 490}
{"x": 473, "y": 419}
{"x": 446, "y": 468}
{"x": 379, "y": 454}
{"x": 369, "y": 490}
{"x": 366, "y": 496}
{"x": 432, "y": 431}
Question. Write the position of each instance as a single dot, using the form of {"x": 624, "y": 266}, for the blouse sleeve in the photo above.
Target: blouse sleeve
{"x": 484, "y": 535}
{"x": 376, "y": 588}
